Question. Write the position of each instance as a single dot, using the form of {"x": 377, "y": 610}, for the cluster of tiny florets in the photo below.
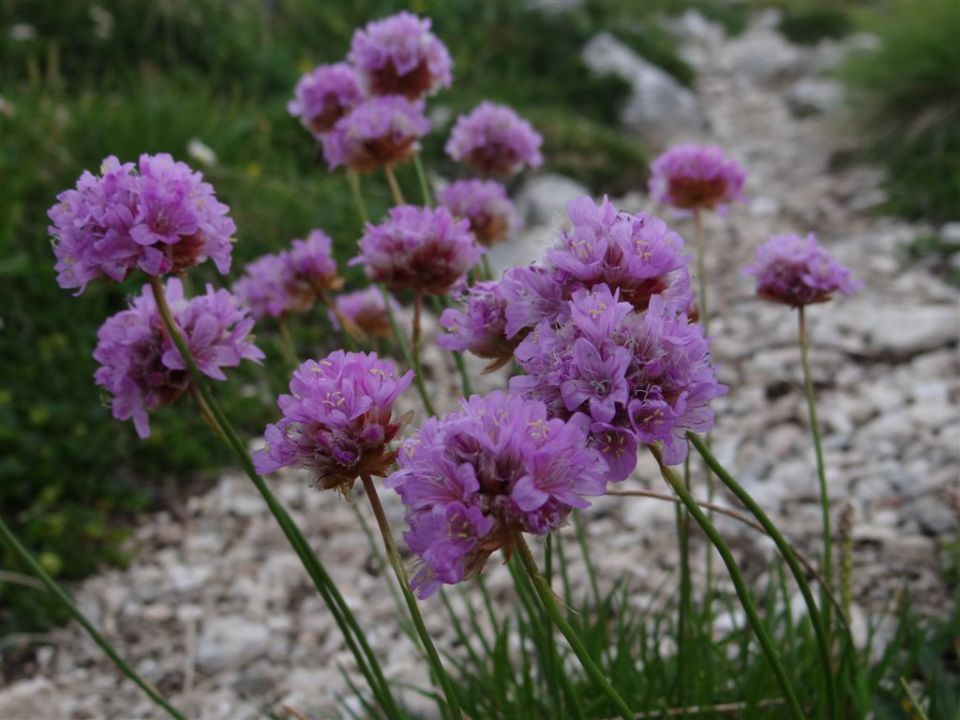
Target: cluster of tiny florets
{"x": 485, "y": 205}
{"x": 480, "y": 325}
{"x": 366, "y": 310}
{"x": 494, "y": 140}
{"x": 157, "y": 215}
{"x": 143, "y": 370}
{"x": 324, "y": 95}
{"x": 474, "y": 479}
{"x": 690, "y": 177}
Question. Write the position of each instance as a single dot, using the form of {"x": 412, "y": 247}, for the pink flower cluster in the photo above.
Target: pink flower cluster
{"x": 688, "y": 177}
{"x": 485, "y": 205}
{"x": 158, "y": 216}
{"x": 494, "y": 140}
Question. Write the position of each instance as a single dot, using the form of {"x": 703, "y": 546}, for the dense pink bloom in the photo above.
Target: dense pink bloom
{"x": 379, "y": 131}
{"x": 798, "y": 271}
{"x": 312, "y": 265}
{"x": 324, "y": 95}
{"x": 366, "y": 310}
{"x": 643, "y": 377}
{"x": 263, "y": 287}
{"x": 475, "y": 479}
{"x": 141, "y": 367}
{"x": 636, "y": 255}
{"x": 696, "y": 176}
{"x": 485, "y": 205}
{"x": 337, "y": 420}
{"x": 493, "y": 139}
{"x": 399, "y": 55}
{"x": 480, "y": 326}
{"x": 158, "y": 216}
{"x": 420, "y": 249}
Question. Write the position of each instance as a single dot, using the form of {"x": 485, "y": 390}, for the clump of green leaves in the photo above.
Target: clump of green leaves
{"x": 809, "y": 24}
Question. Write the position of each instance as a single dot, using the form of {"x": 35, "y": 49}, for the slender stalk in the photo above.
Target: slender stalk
{"x": 743, "y": 592}
{"x": 394, "y": 558}
{"x": 549, "y": 602}
{"x": 405, "y": 351}
{"x": 352, "y": 335}
{"x": 485, "y": 263}
{"x": 581, "y": 533}
{"x": 439, "y": 303}
{"x": 790, "y": 556}
{"x": 684, "y": 612}
{"x": 353, "y": 180}
{"x": 394, "y": 185}
{"x": 321, "y": 579}
{"x": 415, "y": 353}
{"x": 286, "y": 343}
{"x": 424, "y": 183}
{"x": 18, "y": 549}
{"x": 827, "y": 567}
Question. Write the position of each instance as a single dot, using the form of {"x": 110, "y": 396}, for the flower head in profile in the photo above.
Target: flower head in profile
{"x": 312, "y": 265}
{"x": 485, "y": 205}
{"x": 689, "y": 177}
{"x": 399, "y": 55}
{"x": 337, "y": 420}
{"x": 140, "y": 366}
{"x": 263, "y": 287}
{"x": 494, "y": 140}
{"x": 377, "y": 132}
{"x": 476, "y": 478}
{"x": 367, "y": 310}
{"x": 638, "y": 377}
{"x": 158, "y": 216}
{"x": 324, "y": 95}
{"x": 421, "y": 249}
{"x": 798, "y": 271}
{"x": 479, "y": 326}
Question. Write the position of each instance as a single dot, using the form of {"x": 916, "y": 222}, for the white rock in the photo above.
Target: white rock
{"x": 810, "y": 96}
{"x": 543, "y": 198}
{"x": 764, "y": 58}
{"x": 229, "y": 643}
{"x": 905, "y": 331}
{"x": 32, "y": 699}
{"x": 950, "y": 232}
{"x": 659, "y": 107}
{"x": 553, "y": 7}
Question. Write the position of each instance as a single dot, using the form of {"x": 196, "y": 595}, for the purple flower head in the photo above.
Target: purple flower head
{"x": 367, "y": 311}
{"x": 421, "y": 249}
{"x": 263, "y": 287}
{"x": 642, "y": 374}
{"x": 399, "y": 55}
{"x": 494, "y": 140}
{"x": 798, "y": 271}
{"x": 312, "y": 264}
{"x": 636, "y": 255}
{"x": 158, "y": 216}
{"x": 337, "y": 420}
{"x": 142, "y": 369}
{"x": 485, "y": 205}
{"x": 324, "y": 95}
{"x": 475, "y": 479}
{"x": 379, "y": 131}
{"x": 688, "y": 177}
{"x": 480, "y": 326}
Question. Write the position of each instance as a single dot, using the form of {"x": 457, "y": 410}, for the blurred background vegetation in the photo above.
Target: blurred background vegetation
{"x": 83, "y": 80}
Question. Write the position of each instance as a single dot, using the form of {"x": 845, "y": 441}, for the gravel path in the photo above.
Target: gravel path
{"x": 218, "y": 613}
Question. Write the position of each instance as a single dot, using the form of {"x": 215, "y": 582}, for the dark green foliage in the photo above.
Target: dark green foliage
{"x": 808, "y": 24}
{"x": 909, "y": 97}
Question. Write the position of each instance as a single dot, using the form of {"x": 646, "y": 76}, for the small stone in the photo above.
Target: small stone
{"x": 230, "y": 643}
{"x": 32, "y": 699}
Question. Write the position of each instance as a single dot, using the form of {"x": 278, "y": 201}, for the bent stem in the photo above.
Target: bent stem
{"x": 790, "y": 556}
{"x": 549, "y": 602}
{"x": 746, "y": 601}
{"x": 11, "y": 540}
{"x": 394, "y": 185}
{"x": 433, "y": 657}
{"x": 353, "y": 635}
{"x": 827, "y": 567}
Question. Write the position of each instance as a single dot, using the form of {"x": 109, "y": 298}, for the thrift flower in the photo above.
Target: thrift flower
{"x": 379, "y": 131}
{"x": 689, "y": 177}
{"x": 480, "y": 326}
{"x": 263, "y": 287}
{"x": 324, "y": 95}
{"x": 420, "y": 249}
{"x": 158, "y": 216}
{"x": 312, "y": 265}
{"x": 367, "y": 310}
{"x": 798, "y": 271}
{"x": 399, "y": 55}
{"x": 140, "y": 366}
{"x": 494, "y": 140}
{"x": 485, "y": 205}
{"x": 643, "y": 377}
{"x": 475, "y": 479}
{"x": 337, "y": 420}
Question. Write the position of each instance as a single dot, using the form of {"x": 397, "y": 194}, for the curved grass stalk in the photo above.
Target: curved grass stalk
{"x": 353, "y": 635}
{"x": 60, "y": 594}
{"x": 743, "y": 592}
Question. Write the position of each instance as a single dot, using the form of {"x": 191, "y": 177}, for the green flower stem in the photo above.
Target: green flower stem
{"x": 424, "y": 183}
{"x": 485, "y": 264}
{"x": 674, "y": 480}
{"x": 438, "y": 305}
{"x": 401, "y": 337}
{"x": 549, "y": 602}
{"x": 11, "y": 540}
{"x": 321, "y": 579}
{"x": 827, "y": 567}
{"x": 286, "y": 343}
{"x": 394, "y": 558}
{"x": 415, "y": 353}
{"x": 685, "y": 611}
{"x": 394, "y": 185}
{"x": 788, "y": 554}
{"x": 353, "y": 180}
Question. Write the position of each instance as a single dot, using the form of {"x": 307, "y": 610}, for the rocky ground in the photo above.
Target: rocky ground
{"x": 218, "y": 613}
